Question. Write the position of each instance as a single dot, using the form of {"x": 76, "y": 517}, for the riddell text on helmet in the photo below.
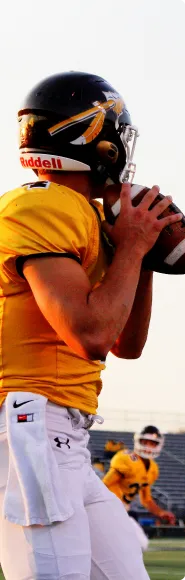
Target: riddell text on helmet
{"x": 41, "y": 162}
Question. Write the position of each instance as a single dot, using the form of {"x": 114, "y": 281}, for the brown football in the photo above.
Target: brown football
{"x": 168, "y": 254}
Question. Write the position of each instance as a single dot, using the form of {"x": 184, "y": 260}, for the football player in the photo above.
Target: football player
{"x": 64, "y": 304}
{"x": 133, "y": 473}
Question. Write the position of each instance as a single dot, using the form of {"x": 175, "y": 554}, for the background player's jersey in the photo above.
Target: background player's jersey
{"x": 39, "y": 219}
{"x": 128, "y": 476}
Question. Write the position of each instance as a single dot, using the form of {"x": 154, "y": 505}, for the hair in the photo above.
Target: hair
{"x": 151, "y": 429}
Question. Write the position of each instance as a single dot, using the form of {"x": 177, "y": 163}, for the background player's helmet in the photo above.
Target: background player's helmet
{"x": 77, "y": 122}
{"x": 149, "y": 442}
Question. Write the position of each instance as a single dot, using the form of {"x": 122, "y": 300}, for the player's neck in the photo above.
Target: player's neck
{"x": 77, "y": 181}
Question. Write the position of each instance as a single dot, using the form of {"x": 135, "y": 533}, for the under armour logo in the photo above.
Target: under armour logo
{"x": 60, "y": 442}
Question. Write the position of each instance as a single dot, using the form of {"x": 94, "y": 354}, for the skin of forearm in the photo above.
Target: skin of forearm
{"x": 153, "y": 507}
{"x": 111, "y": 303}
{"x": 134, "y": 334}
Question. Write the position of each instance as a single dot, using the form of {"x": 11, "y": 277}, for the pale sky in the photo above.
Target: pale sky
{"x": 139, "y": 47}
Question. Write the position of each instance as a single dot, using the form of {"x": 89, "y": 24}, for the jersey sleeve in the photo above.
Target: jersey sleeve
{"x": 111, "y": 478}
{"x": 120, "y": 462}
{"x": 145, "y": 495}
{"x": 38, "y": 220}
{"x": 145, "y": 491}
{"x": 155, "y": 472}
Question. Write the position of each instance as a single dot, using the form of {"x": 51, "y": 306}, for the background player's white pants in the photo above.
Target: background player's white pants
{"x": 142, "y": 537}
{"x": 97, "y": 543}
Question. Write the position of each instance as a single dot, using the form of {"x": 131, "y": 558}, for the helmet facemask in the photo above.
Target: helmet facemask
{"x": 116, "y": 155}
{"x": 147, "y": 451}
{"x": 129, "y": 137}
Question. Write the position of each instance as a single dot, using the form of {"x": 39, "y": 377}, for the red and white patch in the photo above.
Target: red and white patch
{"x": 25, "y": 418}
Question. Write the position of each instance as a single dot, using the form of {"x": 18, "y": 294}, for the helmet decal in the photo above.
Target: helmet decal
{"x": 97, "y": 113}
{"x": 93, "y": 130}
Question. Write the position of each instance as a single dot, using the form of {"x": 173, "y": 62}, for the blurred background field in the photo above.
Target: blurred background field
{"x": 165, "y": 559}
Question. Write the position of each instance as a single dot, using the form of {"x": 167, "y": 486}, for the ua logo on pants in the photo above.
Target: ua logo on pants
{"x": 60, "y": 443}
{"x": 96, "y": 541}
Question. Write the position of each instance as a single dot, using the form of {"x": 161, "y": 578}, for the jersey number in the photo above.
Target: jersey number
{"x": 135, "y": 487}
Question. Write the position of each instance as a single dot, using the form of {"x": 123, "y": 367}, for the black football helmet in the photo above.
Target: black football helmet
{"x": 77, "y": 122}
{"x": 148, "y": 434}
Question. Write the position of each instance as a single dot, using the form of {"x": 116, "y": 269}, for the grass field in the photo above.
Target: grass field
{"x": 165, "y": 560}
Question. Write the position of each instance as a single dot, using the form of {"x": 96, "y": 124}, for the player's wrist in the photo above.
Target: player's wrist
{"x": 130, "y": 251}
{"x": 162, "y": 514}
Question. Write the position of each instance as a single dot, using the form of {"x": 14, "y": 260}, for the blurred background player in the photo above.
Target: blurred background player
{"x": 133, "y": 473}
{"x": 111, "y": 447}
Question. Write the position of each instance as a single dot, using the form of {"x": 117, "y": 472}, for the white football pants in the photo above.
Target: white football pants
{"x": 97, "y": 542}
{"x": 142, "y": 537}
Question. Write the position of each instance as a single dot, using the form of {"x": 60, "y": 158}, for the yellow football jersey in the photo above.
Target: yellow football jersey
{"x": 128, "y": 476}
{"x": 40, "y": 219}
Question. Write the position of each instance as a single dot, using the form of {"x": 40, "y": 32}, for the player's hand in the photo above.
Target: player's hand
{"x": 137, "y": 228}
{"x": 169, "y": 517}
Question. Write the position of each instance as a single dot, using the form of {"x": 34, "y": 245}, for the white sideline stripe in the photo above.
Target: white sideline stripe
{"x": 135, "y": 189}
{"x": 176, "y": 254}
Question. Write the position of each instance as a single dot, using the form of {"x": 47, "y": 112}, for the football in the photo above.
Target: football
{"x": 168, "y": 254}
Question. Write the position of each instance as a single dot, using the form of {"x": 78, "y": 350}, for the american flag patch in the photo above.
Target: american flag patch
{"x": 25, "y": 418}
